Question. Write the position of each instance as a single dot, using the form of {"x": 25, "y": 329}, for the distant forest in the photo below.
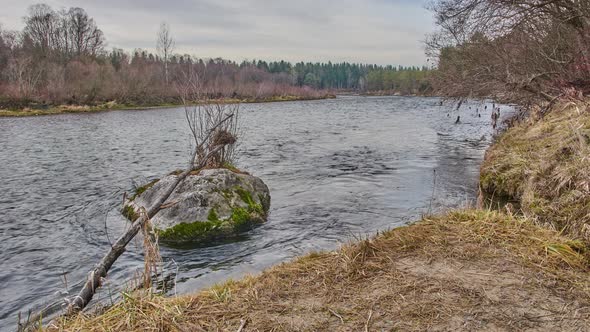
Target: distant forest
{"x": 61, "y": 57}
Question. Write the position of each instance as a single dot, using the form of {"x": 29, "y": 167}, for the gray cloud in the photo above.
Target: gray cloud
{"x": 371, "y": 31}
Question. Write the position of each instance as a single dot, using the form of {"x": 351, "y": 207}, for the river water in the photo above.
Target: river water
{"x": 337, "y": 170}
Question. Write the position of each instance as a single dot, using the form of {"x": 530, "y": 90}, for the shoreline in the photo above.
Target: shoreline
{"x": 113, "y": 106}
{"x": 467, "y": 269}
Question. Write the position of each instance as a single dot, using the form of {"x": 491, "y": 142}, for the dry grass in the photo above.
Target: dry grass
{"x": 545, "y": 164}
{"x": 152, "y": 261}
{"x": 467, "y": 270}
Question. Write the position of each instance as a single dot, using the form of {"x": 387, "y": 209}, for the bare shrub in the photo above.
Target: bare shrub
{"x": 25, "y": 75}
{"x": 214, "y": 126}
{"x": 165, "y": 46}
{"x": 515, "y": 50}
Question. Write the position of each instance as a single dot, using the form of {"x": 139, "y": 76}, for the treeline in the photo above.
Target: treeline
{"x": 514, "y": 50}
{"x": 351, "y": 76}
{"x": 61, "y": 57}
{"x": 410, "y": 80}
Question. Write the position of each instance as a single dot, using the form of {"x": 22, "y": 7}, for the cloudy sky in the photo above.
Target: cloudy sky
{"x": 368, "y": 31}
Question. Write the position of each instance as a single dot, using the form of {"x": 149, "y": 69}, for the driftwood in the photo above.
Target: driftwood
{"x": 100, "y": 271}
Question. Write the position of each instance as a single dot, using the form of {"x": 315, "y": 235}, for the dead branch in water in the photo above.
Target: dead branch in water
{"x": 100, "y": 271}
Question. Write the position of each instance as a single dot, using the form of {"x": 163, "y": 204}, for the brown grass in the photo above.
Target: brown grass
{"x": 545, "y": 164}
{"x": 468, "y": 270}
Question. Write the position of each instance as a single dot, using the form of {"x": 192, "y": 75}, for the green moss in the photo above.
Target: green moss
{"x": 245, "y": 195}
{"x": 203, "y": 231}
{"x": 212, "y": 215}
{"x": 247, "y": 198}
{"x": 231, "y": 167}
{"x": 129, "y": 213}
{"x": 142, "y": 189}
{"x": 242, "y": 219}
{"x": 194, "y": 231}
{"x": 228, "y": 194}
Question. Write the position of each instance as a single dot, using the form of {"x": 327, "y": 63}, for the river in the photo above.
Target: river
{"x": 337, "y": 169}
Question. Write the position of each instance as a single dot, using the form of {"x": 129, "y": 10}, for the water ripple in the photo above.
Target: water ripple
{"x": 337, "y": 169}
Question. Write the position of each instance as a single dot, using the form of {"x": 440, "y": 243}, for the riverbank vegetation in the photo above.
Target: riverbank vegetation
{"x": 544, "y": 164}
{"x": 35, "y": 109}
{"x": 537, "y": 54}
{"x": 521, "y": 51}
{"x": 61, "y": 58}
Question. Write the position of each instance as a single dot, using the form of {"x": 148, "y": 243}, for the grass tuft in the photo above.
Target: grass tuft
{"x": 129, "y": 213}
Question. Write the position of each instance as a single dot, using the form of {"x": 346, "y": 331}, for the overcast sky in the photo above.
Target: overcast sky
{"x": 368, "y": 31}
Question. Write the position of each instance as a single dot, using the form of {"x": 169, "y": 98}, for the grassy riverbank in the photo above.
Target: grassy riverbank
{"x": 112, "y": 106}
{"x": 464, "y": 270}
{"x": 544, "y": 164}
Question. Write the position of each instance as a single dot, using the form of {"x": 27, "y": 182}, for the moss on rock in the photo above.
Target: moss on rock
{"x": 208, "y": 205}
{"x": 246, "y": 197}
{"x": 129, "y": 213}
{"x": 142, "y": 189}
{"x": 240, "y": 220}
{"x": 193, "y": 232}
{"x": 212, "y": 215}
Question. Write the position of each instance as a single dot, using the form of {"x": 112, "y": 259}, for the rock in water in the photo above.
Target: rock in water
{"x": 208, "y": 205}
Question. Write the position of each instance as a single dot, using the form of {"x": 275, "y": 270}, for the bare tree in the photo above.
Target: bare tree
{"x": 513, "y": 49}
{"x": 66, "y": 50}
{"x": 5, "y": 49}
{"x": 25, "y": 74}
{"x": 165, "y": 46}
{"x": 85, "y": 38}
{"x": 66, "y": 33}
{"x": 40, "y": 27}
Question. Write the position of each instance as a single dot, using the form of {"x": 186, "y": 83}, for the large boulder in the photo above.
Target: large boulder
{"x": 207, "y": 205}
